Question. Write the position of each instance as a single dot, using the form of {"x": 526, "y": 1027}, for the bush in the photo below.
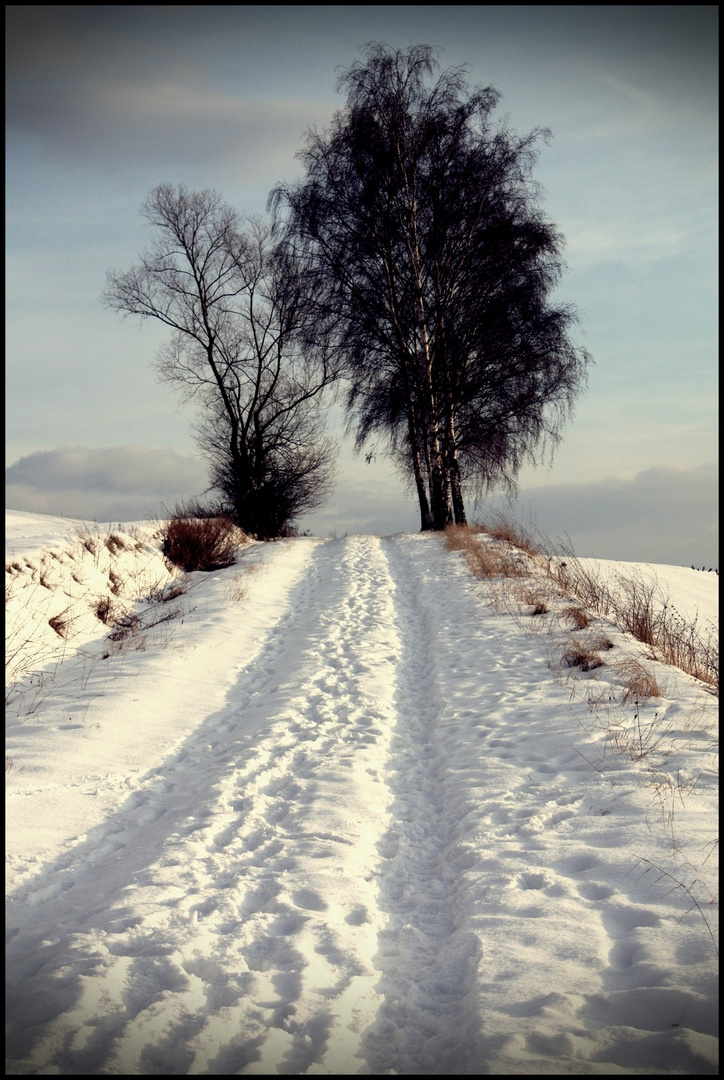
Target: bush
{"x": 200, "y": 543}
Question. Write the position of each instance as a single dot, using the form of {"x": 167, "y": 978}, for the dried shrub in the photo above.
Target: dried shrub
{"x": 197, "y": 543}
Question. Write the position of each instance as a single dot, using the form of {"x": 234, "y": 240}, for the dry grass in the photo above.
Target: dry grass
{"x": 642, "y": 608}
{"x": 104, "y": 609}
{"x": 171, "y": 592}
{"x": 115, "y": 543}
{"x": 635, "y": 605}
{"x": 532, "y": 598}
{"x": 50, "y": 597}
{"x": 639, "y": 738}
{"x": 599, "y": 641}
{"x": 125, "y": 626}
{"x": 237, "y": 589}
{"x": 512, "y": 532}
{"x": 577, "y": 654}
{"x": 116, "y": 582}
{"x": 90, "y": 543}
{"x": 623, "y": 697}
{"x": 60, "y": 624}
{"x": 538, "y": 603}
{"x": 638, "y": 683}
{"x": 709, "y": 900}
{"x": 577, "y": 616}
{"x": 485, "y": 559}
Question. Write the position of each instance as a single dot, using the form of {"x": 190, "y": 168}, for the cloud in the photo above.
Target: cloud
{"x": 130, "y": 483}
{"x": 662, "y": 515}
{"x": 164, "y": 123}
{"x": 107, "y": 94}
{"x": 634, "y": 243}
{"x": 121, "y": 483}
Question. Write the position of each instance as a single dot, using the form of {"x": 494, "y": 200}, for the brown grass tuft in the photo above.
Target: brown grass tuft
{"x": 194, "y": 543}
{"x": 88, "y": 542}
{"x": 512, "y": 532}
{"x": 116, "y": 582}
{"x": 60, "y": 624}
{"x": 485, "y": 559}
{"x": 638, "y": 683}
{"x": 534, "y": 599}
{"x": 577, "y": 616}
{"x": 599, "y": 642}
{"x": 577, "y": 654}
{"x": 115, "y": 543}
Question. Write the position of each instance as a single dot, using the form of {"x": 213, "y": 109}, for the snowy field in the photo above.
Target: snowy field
{"x": 343, "y": 809}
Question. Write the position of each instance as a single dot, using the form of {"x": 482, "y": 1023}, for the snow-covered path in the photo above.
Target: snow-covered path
{"x": 386, "y": 844}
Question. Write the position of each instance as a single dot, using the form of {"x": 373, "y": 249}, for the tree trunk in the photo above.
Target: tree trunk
{"x": 439, "y": 479}
{"x": 426, "y": 521}
{"x": 453, "y": 467}
{"x": 457, "y": 494}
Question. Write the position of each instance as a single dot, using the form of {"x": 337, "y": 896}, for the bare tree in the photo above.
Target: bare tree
{"x": 242, "y": 346}
{"x": 420, "y": 219}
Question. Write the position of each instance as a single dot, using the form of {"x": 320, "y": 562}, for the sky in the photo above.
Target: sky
{"x": 105, "y": 103}
{"x": 341, "y": 808}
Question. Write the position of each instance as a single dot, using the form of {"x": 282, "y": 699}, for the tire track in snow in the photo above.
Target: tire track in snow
{"x": 311, "y": 790}
{"x": 200, "y": 964}
{"x": 429, "y": 1020}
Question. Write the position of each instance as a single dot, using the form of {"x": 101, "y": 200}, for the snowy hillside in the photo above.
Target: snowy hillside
{"x": 342, "y": 808}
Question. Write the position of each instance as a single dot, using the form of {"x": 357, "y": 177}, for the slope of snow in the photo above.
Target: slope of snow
{"x": 694, "y": 592}
{"x": 348, "y": 812}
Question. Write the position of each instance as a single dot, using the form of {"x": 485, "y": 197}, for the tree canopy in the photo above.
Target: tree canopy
{"x": 242, "y": 345}
{"x": 433, "y": 264}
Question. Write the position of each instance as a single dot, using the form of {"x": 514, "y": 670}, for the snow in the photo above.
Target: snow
{"x": 694, "y": 592}
{"x": 341, "y": 808}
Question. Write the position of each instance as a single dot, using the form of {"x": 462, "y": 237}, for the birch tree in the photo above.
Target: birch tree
{"x": 418, "y": 215}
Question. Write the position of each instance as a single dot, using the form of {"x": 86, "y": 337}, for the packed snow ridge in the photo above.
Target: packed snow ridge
{"x": 341, "y": 808}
